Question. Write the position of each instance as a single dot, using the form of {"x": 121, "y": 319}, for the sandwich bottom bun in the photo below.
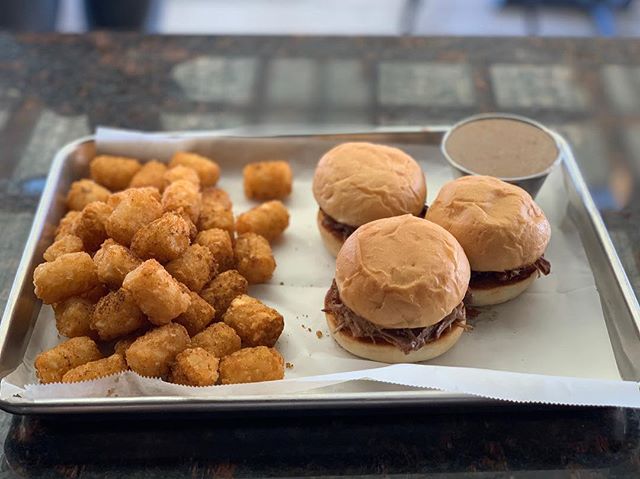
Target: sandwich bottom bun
{"x": 500, "y": 294}
{"x": 331, "y": 242}
{"x": 387, "y": 353}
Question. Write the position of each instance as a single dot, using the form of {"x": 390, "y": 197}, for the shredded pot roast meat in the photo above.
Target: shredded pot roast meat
{"x": 343, "y": 231}
{"x": 407, "y": 339}
{"x": 488, "y": 278}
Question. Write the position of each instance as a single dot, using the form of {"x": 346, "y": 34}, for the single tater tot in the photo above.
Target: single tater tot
{"x": 151, "y": 174}
{"x": 68, "y": 223}
{"x": 96, "y": 369}
{"x": 132, "y": 209}
{"x": 117, "y": 315}
{"x": 114, "y": 172}
{"x": 182, "y": 195}
{"x": 198, "y": 315}
{"x": 195, "y": 367}
{"x": 53, "y": 364}
{"x": 223, "y": 289}
{"x": 69, "y": 275}
{"x": 219, "y": 243}
{"x": 207, "y": 169}
{"x": 251, "y": 365}
{"x": 176, "y": 173}
{"x": 267, "y": 180}
{"x": 156, "y": 292}
{"x": 218, "y": 339}
{"x": 73, "y": 317}
{"x": 90, "y": 228}
{"x": 151, "y": 355}
{"x": 215, "y": 215}
{"x": 254, "y": 259}
{"x": 269, "y": 220}
{"x": 194, "y": 268}
{"x": 113, "y": 262}
{"x": 164, "y": 239}
{"x": 63, "y": 245}
{"x": 256, "y": 323}
{"x": 147, "y": 191}
{"x": 83, "y": 192}
{"x": 212, "y": 195}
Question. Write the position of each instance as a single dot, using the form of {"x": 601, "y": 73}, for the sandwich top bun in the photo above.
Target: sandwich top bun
{"x": 402, "y": 272}
{"x": 498, "y": 224}
{"x": 355, "y": 183}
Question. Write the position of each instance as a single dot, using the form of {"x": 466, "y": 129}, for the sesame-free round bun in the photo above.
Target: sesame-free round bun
{"x": 501, "y": 293}
{"x": 355, "y": 183}
{"x": 402, "y": 272}
{"x": 498, "y": 224}
{"x": 331, "y": 242}
{"x": 388, "y": 353}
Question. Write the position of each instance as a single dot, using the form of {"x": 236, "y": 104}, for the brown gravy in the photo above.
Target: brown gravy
{"x": 502, "y": 147}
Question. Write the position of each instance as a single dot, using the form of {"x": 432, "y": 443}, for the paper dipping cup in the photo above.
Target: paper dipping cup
{"x": 531, "y": 182}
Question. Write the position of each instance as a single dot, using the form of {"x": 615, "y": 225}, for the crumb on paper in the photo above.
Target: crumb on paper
{"x": 309, "y": 329}
{"x": 319, "y": 334}
{"x": 281, "y": 283}
{"x": 289, "y": 365}
{"x": 303, "y": 326}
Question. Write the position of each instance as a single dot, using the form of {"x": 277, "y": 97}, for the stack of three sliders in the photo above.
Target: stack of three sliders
{"x": 405, "y": 272}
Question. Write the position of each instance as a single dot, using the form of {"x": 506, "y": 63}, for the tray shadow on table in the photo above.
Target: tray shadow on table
{"x": 322, "y": 443}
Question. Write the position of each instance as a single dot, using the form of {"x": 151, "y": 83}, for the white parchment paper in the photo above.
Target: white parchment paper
{"x": 550, "y": 345}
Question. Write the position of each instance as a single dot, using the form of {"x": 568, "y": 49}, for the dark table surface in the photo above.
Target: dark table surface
{"x": 56, "y": 88}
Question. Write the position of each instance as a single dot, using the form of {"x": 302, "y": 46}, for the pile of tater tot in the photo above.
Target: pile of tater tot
{"x": 149, "y": 271}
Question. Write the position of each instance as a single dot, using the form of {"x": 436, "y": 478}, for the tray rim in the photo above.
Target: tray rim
{"x": 307, "y": 401}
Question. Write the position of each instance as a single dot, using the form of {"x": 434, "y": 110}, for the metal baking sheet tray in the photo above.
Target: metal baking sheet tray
{"x": 619, "y": 303}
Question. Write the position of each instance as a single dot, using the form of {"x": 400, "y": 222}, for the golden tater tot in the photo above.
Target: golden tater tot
{"x": 114, "y": 172}
{"x": 218, "y": 339}
{"x": 269, "y": 220}
{"x": 223, "y": 289}
{"x": 156, "y": 292}
{"x": 151, "y": 174}
{"x": 194, "y": 268}
{"x": 73, "y": 317}
{"x": 207, "y": 169}
{"x": 256, "y": 323}
{"x": 212, "y": 195}
{"x": 251, "y": 365}
{"x": 68, "y": 223}
{"x": 113, "y": 262}
{"x": 219, "y": 243}
{"x": 53, "y": 364}
{"x": 142, "y": 191}
{"x": 164, "y": 239}
{"x": 182, "y": 195}
{"x": 215, "y": 215}
{"x": 175, "y": 173}
{"x": 267, "y": 180}
{"x": 90, "y": 228}
{"x": 69, "y": 275}
{"x": 195, "y": 367}
{"x": 151, "y": 355}
{"x": 63, "y": 245}
{"x": 197, "y": 316}
{"x": 132, "y": 209}
{"x": 83, "y": 192}
{"x": 117, "y": 315}
{"x": 96, "y": 369}
{"x": 254, "y": 259}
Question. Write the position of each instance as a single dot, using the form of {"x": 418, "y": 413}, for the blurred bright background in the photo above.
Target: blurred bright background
{"x": 330, "y": 17}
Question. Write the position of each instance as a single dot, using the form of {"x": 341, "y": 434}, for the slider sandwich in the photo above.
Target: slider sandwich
{"x": 355, "y": 183}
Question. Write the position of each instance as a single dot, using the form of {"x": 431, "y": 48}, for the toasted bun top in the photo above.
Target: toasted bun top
{"x": 402, "y": 272}
{"x": 498, "y": 224}
{"x": 355, "y": 183}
